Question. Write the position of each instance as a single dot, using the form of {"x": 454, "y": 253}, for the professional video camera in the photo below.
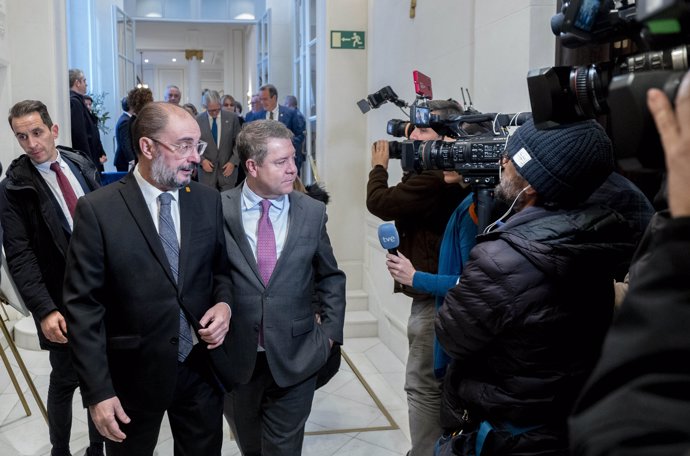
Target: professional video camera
{"x": 480, "y": 140}
{"x": 659, "y": 32}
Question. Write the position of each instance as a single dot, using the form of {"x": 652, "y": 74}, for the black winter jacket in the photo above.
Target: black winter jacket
{"x": 526, "y": 322}
{"x": 36, "y": 235}
{"x": 85, "y": 135}
{"x": 636, "y": 401}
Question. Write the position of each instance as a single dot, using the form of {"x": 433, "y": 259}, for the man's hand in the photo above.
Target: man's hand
{"x": 379, "y": 153}
{"x": 228, "y": 168}
{"x": 674, "y": 129}
{"x": 401, "y": 268}
{"x": 215, "y": 322}
{"x": 54, "y": 327}
{"x": 103, "y": 158}
{"x": 206, "y": 165}
{"x": 106, "y": 415}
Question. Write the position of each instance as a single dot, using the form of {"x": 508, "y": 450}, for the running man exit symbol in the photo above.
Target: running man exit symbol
{"x": 341, "y": 39}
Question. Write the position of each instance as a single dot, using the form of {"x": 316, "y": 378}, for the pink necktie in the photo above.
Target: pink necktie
{"x": 266, "y": 244}
{"x": 265, "y": 252}
{"x": 65, "y": 188}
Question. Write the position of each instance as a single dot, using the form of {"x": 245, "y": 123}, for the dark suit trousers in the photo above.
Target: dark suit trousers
{"x": 63, "y": 382}
{"x": 195, "y": 415}
{"x": 266, "y": 419}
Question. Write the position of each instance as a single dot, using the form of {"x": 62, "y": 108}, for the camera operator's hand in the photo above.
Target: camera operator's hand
{"x": 401, "y": 268}
{"x": 674, "y": 129}
{"x": 379, "y": 153}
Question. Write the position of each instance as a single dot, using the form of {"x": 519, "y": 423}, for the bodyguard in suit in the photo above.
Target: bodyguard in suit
{"x": 39, "y": 196}
{"x": 146, "y": 292}
{"x": 289, "y": 117}
{"x": 281, "y": 254}
{"x": 219, "y": 129}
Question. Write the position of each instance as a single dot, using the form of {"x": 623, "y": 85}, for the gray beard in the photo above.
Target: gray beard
{"x": 165, "y": 176}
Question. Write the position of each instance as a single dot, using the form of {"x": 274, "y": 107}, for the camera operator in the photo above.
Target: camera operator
{"x": 636, "y": 402}
{"x": 421, "y": 205}
{"x": 525, "y": 324}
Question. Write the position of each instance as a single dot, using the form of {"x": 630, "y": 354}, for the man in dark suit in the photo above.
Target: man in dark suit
{"x": 146, "y": 292}
{"x": 281, "y": 256}
{"x": 219, "y": 129}
{"x": 257, "y": 111}
{"x": 85, "y": 135}
{"x": 124, "y": 154}
{"x": 37, "y": 222}
{"x": 289, "y": 117}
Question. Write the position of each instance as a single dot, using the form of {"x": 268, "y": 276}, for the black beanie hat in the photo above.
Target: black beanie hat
{"x": 563, "y": 164}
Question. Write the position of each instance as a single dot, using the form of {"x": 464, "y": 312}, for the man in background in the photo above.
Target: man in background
{"x": 172, "y": 95}
{"x": 256, "y": 111}
{"x": 268, "y": 95}
{"x": 40, "y": 194}
{"x": 85, "y": 135}
{"x": 219, "y": 128}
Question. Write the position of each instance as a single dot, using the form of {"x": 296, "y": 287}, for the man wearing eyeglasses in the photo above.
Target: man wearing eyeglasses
{"x": 146, "y": 292}
{"x": 218, "y": 128}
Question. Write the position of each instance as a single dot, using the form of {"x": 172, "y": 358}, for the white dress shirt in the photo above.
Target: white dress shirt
{"x": 278, "y": 212}
{"x": 50, "y": 178}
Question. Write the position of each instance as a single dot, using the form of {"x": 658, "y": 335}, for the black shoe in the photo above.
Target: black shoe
{"x": 94, "y": 450}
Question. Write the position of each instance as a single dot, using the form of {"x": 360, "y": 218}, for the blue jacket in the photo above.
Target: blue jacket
{"x": 458, "y": 239}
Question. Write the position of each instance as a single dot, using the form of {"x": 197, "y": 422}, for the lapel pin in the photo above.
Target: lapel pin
{"x": 187, "y": 189}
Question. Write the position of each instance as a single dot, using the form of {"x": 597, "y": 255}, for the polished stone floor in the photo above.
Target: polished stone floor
{"x": 345, "y": 419}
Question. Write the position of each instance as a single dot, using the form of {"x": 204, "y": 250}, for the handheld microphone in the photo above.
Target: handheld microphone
{"x": 388, "y": 236}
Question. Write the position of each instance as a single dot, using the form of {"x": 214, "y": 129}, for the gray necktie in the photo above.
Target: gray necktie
{"x": 166, "y": 231}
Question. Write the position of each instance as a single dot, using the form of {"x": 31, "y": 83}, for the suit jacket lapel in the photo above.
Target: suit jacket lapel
{"x": 234, "y": 223}
{"x": 296, "y": 213}
{"x": 140, "y": 213}
{"x": 187, "y": 217}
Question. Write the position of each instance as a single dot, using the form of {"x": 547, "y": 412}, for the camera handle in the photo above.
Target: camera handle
{"x": 484, "y": 200}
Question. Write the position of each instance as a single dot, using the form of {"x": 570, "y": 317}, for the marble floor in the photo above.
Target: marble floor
{"x": 345, "y": 419}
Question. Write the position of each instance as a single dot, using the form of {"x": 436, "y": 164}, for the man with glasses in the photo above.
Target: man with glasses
{"x": 146, "y": 292}
{"x": 219, "y": 129}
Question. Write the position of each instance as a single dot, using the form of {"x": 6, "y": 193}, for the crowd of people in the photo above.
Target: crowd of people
{"x": 140, "y": 341}
{"x": 202, "y": 286}
{"x": 507, "y": 323}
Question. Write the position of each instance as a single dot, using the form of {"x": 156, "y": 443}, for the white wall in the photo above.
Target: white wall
{"x": 33, "y": 66}
{"x": 484, "y": 45}
{"x": 226, "y": 76}
{"x": 93, "y": 49}
{"x": 280, "y": 69}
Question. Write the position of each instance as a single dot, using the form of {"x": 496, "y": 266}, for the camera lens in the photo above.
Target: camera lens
{"x": 589, "y": 90}
{"x": 399, "y": 128}
{"x": 395, "y": 150}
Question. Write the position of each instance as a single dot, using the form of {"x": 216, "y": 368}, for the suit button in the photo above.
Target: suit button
{"x": 257, "y": 328}
{"x": 173, "y": 340}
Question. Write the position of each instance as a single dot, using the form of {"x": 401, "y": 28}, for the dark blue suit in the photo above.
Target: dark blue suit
{"x": 125, "y": 149}
{"x": 251, "y": 115}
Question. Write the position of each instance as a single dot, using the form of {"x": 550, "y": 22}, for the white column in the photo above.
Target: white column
{"x": 194, "y": 74}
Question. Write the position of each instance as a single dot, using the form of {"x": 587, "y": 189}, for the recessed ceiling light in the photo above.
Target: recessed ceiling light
{"x": 203, "y": 61}
{"x": 146, "y": 60}
{"x": 245, "y": 17}
{"x": 174, "y": 59}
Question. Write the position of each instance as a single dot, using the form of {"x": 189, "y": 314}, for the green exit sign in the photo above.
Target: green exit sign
{"x": 345, "y": 39}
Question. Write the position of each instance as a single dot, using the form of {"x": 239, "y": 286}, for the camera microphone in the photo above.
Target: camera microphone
{"x": 388, "y": 236}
